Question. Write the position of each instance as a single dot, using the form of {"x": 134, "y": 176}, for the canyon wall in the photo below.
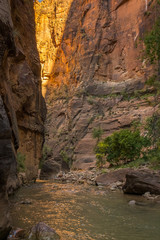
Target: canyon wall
{"x": 94, "y": 76}
{"x": 22, "y": 108}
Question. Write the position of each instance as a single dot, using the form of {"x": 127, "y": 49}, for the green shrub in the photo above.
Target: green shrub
{"x": 152, "y": 43}
{"x": 97, "y": 133}
{"x": 122, "y": 146}
{"x": 153, "y": 158}
{"x": 21, "y": 162}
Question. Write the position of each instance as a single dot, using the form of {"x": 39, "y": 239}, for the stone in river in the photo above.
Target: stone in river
{"x": 140, "y": 182}
{"x": 41, "y": 231}
{"x": 17, "y": 234}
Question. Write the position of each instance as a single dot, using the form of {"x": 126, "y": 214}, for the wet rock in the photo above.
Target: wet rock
{"x": 41, "y": 231}
{"x": 132, "y": 203}
{"x": 116, "y": 185}
{"x": 141, "y": 203}
{"x": 17, "y": 234}
{"x": 149, "y": 196}
{"x": 140, "y": 182}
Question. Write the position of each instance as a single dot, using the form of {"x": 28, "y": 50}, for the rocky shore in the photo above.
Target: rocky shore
{"x": 131, "y": 181}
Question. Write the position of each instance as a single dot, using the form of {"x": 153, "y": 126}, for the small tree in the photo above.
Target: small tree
{"x": 123, "y": 146}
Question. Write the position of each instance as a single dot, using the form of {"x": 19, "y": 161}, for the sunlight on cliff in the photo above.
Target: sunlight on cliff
{"x": 50, "y": 18}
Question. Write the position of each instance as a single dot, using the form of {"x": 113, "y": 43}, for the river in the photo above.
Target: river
{"x": 86, "y": 213}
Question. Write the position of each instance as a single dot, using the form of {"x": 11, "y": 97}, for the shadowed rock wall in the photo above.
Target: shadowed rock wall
{"x": 22, "y": 108}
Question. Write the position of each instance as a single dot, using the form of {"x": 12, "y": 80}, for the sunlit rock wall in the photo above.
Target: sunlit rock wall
{"x": 50, "y": 17}
{"x": 96, "y": 69}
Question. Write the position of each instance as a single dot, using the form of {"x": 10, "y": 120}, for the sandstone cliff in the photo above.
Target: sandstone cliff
{"x": 22, "y": 108}
{"x": 94, "y": 76}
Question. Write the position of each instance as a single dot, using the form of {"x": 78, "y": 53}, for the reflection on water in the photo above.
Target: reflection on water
{"x": 79, "y": 212}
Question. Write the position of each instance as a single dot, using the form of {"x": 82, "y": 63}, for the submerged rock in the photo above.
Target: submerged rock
{"x": 132, "y": 203}
{"x": 140, "y": 182}
{"x": 43, "y": 232}
{"x": 17, "y": 234}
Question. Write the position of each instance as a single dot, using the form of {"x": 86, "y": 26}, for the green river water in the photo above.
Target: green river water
{"x": 85, "y": 212}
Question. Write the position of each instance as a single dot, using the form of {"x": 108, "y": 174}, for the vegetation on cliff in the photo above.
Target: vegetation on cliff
{"x": 131, "y": 146}
{"x": 21, "y": 162}
{"x": 121, "y": 147}
{"x": 128, "y": 145}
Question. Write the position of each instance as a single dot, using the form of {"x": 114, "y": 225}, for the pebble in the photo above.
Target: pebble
{"x": 149, "y": 196}
{"x": 132, "y": 203}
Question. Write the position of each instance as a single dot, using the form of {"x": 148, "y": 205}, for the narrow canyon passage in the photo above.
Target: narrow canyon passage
{"x": 92, "y": 74}
{"x": 79, "y": 111}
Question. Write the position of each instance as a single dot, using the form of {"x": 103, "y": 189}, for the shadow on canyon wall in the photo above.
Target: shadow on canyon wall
{"x": 98, "y": 67}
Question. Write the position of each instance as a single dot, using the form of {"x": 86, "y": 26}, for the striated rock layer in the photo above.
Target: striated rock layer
{"x": 94, "y": 76}
{"x": 22, "y": 108}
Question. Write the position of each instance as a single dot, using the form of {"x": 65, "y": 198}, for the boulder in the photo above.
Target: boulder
{"x": 110, "y": 178}
{"x": 49, "y": 170}
{"x": 52, "y": 167}
{"x": 43, "y": 232}
{"x": 140, "y": 182}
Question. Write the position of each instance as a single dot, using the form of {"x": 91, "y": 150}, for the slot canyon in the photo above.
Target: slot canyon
{"x": 73, "y": 73}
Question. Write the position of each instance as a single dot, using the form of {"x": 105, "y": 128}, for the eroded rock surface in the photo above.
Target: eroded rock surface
{"x": 94, "y": 76}
{"x": 22, "y": 108}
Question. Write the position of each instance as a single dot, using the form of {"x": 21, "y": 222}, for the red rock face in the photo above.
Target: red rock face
{"x": 100, "y": 42}
{"x": 96, "y": 72}
{"x": 25, "y": 81}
